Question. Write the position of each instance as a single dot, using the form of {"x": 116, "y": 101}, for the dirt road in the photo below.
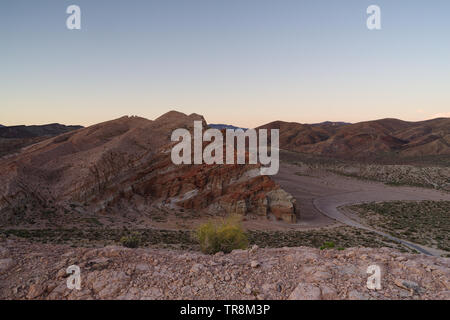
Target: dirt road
{"x": 320, "y": 194}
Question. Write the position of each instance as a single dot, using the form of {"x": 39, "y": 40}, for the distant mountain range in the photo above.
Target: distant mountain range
{"x": 33, "y": 131}
{"x": 221, "y": 126}
{"x": 362, "y": 140}
{"x": 330, "y": 123}
{"x": 13, "y": 138}
{"x": 366, "y": 140}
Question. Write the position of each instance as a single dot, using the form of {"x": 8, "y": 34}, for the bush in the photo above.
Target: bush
{"x": 222, "y": 235}
{"x": 131, "y": 241}
{"x": 327, "y": 245}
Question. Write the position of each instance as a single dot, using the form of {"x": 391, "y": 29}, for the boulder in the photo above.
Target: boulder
{"x": 306, "y": 291}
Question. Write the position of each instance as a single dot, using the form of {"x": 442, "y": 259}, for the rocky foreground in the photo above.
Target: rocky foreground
{"x": 38, "y": 271}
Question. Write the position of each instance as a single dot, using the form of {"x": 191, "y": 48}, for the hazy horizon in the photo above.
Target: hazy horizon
{"x": 216, "y": 123}
{"x": 244, "y": 63}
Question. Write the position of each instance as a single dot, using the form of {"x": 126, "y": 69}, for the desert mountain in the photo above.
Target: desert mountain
{"x": 329, "y": 126}
{"x": 330, "y": 123}
{"x": 295, "y": 135}
{"x": 222, "y": 126}
{"x": 427, "y": 137}
{"x": 13, "y": 138}
{"x": 22, "y": 131}
{"x": 125, "y": 165}
{"x": 367, "y": 140}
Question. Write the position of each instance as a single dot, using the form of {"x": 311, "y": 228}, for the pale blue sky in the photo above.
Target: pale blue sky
{"x": 244, "y": 62}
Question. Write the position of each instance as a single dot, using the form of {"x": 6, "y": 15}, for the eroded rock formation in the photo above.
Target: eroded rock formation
{"x": 125, "y": 163}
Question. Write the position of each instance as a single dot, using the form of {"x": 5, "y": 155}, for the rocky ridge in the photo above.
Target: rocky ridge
{"x": 124, "y": 165}
{"x": 38, "y": 271}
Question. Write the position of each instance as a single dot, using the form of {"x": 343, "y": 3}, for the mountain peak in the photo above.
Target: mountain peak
{"x": 176, "y": 117}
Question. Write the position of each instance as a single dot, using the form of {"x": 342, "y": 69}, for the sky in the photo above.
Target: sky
{"x": 240, "y": 62}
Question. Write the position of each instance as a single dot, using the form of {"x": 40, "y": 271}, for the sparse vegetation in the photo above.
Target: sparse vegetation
{"x": 221, "y": 235}
{"x": 29, "y": 213}
{"x": 435, "y": 175}
{"x": 327, "y": 245}
{"x": 398, "y": 175}
{"x": 422, "y": 222}
{"x": 341, "y": 237}
{"x": 131, "y": 241}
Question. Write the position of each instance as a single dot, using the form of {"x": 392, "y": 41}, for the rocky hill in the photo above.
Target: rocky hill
{"x": 124, "y": 165}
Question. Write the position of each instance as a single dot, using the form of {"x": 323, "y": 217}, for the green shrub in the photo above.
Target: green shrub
{"x": 327, "y": 245}
{"x": 131, "y": 241}
{"x": 222, "y": 235}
